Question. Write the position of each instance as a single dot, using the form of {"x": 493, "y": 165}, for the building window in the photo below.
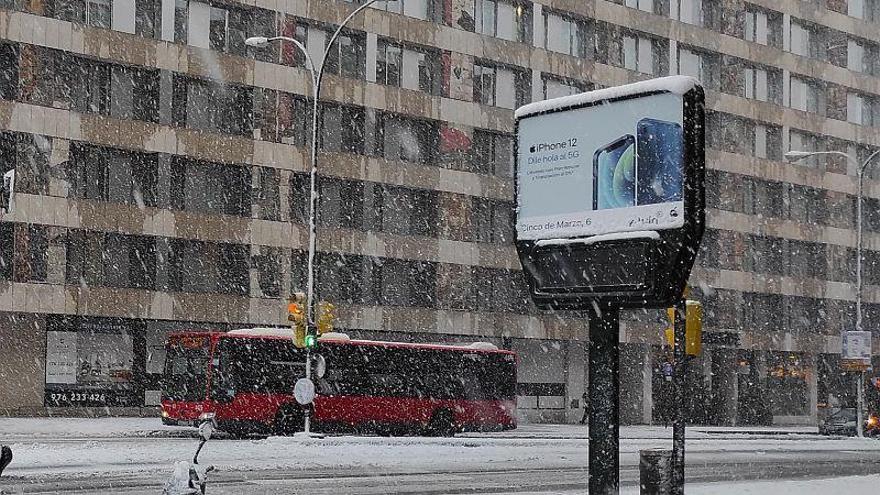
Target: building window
{"x": 862, "y": 109}
{"x": 9, "y": 74}
{"x": 565, "y": 34}
{"x": 406, "y": 139}
{"x": 500, "y": 86}
{"x": 210, "y": 106}
{"x": 804, "y": 141}
{"x": 108, "y": 174}
{"x": 554, "y": 86}
{"x": 763, "y": 26}
{"x": 98, "y": 13}
{"x": 269, "y": 194}
{"x": 805, "y": 95}
{"x": 502, "y": 19}
{"x": 804, "y": 40}
{"x": 493, "y": 153}
{"x": 347, "y": 58}
{"x": 405, "y": 67}
{"x": 341, "y": 128}
{"x": 642, "y": 54}
{"x": 197, "y": 266}
{"x": 111, "y": 260}
{"x": 690, "y": 12}
{"x": 704, "y": 66}
{"x": 420, "y": 9}
{"x": 210, "y": 187}
{"x": 268, "y": 264}
{"x": 643, "y": 5}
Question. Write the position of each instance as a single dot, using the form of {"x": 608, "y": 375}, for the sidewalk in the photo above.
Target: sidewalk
{"x": 42, "y": 428}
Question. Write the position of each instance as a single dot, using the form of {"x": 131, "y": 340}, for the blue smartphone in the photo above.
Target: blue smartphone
{"x": 614, "y": 176}
{"x": 659, "y": 162}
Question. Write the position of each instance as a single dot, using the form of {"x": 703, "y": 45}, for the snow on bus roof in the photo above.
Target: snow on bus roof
{"x": 678, "y": 85}
{"x": 287, "y": 333}
{"x": 263, "y": 332}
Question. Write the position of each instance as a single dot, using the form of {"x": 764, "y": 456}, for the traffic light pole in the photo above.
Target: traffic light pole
{"x": 307, "y": 413}
{"x": 604, "y": 388}
{"x": 678, "y": 422}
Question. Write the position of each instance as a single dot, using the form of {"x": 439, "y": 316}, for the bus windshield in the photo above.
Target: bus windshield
{"x": 186, "y": 368}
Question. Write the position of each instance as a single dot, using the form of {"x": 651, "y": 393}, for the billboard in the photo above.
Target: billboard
{"x": 611, "y": 167}
{"x": 610, "y": 194}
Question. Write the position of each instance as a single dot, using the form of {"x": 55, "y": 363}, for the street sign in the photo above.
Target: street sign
{"x": 857, "y": 346}
{"x": 304, "y": 391}
{"x": 610, "y": 194}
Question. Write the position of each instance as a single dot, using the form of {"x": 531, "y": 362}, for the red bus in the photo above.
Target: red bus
{"x": 246, "y": 378}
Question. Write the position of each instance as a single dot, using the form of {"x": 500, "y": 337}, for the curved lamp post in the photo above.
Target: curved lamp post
{"x": 317, "y": 72}
{"x": 860, "y": 169}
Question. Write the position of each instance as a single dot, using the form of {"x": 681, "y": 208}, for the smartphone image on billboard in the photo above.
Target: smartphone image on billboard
{"x": 659, "y": 161}
{"x": 614, "y": 174}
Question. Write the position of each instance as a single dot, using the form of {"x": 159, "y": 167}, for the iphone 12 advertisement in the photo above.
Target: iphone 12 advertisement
{"x": 613, "y": 167}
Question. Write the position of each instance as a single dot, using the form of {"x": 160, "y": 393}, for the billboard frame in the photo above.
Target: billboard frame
{"x": 669, "y": 253}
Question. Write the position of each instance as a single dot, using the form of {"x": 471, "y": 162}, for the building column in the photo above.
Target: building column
{"x": 635, "y": 404}
{"x": 725, "y": 381}
{"x": 812, "y": 378}
{"x": 575, "y": 386}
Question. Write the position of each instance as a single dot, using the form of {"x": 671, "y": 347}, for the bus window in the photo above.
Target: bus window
{"x": 186, "y": 368}
{"x": 258, "y": 366}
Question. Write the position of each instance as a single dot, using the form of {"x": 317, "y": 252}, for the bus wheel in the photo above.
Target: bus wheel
{"x": 288, "y": 420}
{"x": 441, "y": 424}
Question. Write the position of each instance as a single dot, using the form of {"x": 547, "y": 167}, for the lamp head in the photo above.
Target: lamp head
{"x": 257, "y": 41}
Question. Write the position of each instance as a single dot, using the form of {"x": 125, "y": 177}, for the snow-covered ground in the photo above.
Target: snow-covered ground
{"x": 847, "y": 485}
{"x": 47, "y": 449}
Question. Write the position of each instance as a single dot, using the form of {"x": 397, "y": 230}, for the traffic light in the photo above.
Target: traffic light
{"x": 693, "y": 328}
{"x": 297, "y": 316}
{"x": 326, "y": 317}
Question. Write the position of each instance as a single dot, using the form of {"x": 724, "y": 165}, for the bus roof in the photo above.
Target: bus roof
{"x": 287, "y": 333}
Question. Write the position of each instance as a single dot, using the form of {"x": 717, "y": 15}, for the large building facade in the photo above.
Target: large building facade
{"x": 162, "y": 185}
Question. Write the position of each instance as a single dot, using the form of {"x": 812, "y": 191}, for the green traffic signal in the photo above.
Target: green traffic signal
{"x": 311, "y": 340}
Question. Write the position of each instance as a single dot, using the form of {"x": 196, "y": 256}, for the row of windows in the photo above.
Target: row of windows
{"x": 119, "y": 176}
{"x": 423, "y": 68}
{"x": 87, "y": 258}
{"x": 785, "y": 201}
{"x": 773, "y": 314}
{"x": 34, "y": 253}
{"x": 776, "y": 256}
{"x": 60, "y": 80}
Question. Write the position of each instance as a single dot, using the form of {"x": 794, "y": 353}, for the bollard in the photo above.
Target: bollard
{"x": 655, "y": 471}
{"x": 5, "y": 457}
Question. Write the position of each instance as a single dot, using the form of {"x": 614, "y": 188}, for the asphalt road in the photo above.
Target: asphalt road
{"x": 707, "y": 467}
{"x": 712, "y": 458}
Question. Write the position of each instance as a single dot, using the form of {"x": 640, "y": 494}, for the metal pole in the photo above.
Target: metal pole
{"x": 678, "y": 422}
{"x": 307, "y": 425}
{"x": 604, "y": 391}
{"x": 860, "y": 403}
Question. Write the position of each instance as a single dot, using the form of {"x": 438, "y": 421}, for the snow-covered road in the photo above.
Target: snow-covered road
{"x": 60, "y": 454}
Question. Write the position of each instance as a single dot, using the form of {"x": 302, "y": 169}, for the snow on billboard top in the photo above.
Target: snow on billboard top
{"x": 602, "y": 162}
{"x": 677, "y": 85}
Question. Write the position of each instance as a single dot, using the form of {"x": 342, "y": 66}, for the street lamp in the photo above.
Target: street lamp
{"x": 796, "y": 155}
{"x": 317, "y": 72}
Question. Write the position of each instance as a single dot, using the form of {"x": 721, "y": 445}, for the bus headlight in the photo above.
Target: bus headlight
{"x": 873, "y": 421}
{"x": 165, "y": 413}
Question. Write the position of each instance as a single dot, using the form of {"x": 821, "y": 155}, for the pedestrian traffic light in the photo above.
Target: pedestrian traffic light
{"x": 297, "y": 316}
{"x": 693, "y": 328}
{"x": 326, "y": 317}
{"x": 310, "y": 341}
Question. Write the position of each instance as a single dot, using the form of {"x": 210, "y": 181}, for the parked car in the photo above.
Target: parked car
{"x": 843, "y": 422}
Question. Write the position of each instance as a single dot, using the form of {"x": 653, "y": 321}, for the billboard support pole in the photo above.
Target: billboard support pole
{"x": 678, "y": 423}
{"x": 604, "y": 388}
